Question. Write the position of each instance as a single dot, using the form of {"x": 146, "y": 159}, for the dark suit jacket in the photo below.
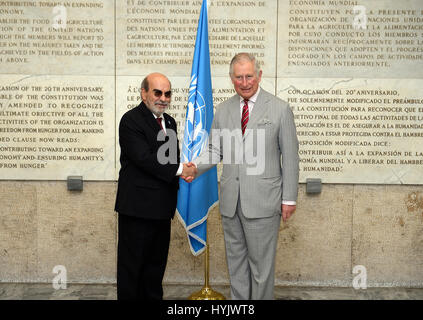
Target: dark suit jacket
{"x": 146, "y": 188}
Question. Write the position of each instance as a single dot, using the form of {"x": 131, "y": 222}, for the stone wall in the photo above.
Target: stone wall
{"x": 379, "y": 227}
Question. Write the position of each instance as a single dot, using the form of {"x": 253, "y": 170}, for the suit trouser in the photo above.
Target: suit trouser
{"x": 250, "y": 253}
{"x": 143, "y": 246}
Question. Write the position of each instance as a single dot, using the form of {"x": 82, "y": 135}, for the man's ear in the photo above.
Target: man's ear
{"x": 143, "y": 94}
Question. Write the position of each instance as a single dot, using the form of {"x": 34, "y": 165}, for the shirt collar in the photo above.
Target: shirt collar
{"x": 157, "y": 116}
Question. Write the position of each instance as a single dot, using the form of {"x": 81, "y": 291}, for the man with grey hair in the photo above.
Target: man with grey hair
{"x": 252, "y": 202}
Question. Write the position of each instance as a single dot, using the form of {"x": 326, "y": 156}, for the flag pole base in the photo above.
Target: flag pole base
{"x": 206, "y": 293}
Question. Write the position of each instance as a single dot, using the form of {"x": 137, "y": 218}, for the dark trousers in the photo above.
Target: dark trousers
{"x": 143, "y": 246}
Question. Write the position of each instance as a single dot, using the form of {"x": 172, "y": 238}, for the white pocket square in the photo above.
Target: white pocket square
{"x": 264, "y": 122}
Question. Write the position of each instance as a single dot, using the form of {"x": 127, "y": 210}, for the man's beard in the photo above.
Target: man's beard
{"x": 158, "y": 108}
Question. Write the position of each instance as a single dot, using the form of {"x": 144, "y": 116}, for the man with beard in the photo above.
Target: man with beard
{"x": 147, "y": 191}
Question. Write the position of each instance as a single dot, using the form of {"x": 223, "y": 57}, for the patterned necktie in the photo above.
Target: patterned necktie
{"x": 159, "y": 121}
{"x": 245, "y": 116}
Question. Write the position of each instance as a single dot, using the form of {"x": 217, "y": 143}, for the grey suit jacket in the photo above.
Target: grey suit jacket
{"x": 262, "y": 168}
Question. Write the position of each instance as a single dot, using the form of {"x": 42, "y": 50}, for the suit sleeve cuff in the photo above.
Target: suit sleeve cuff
{"x": 179, "y": 172}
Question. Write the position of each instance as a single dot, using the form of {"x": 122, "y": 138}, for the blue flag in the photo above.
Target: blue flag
{"x": 197, "y": 198}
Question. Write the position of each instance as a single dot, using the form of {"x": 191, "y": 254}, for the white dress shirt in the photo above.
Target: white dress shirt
{"x": 251, "y": 103}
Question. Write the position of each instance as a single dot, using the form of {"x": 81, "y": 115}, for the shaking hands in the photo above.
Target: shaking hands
{"x": 189, "y": 172}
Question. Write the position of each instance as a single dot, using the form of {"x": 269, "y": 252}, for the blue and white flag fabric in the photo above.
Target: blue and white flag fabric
{"x": 197, "y": 198}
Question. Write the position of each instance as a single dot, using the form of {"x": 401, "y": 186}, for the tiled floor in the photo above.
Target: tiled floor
{"x": 37, "y": 291}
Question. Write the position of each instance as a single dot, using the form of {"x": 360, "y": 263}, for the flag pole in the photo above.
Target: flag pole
{"x": 206, "y": 293}
{"x": 199, "y": 120}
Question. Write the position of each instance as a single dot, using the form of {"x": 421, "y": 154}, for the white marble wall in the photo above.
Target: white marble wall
{"x": 354, "y": 88}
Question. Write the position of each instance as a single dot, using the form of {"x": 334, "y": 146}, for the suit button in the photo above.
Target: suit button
{"x": 237, "y": 179}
